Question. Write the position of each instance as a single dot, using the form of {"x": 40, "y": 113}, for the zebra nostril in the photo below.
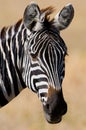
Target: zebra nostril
{"x": 47, "y": 106}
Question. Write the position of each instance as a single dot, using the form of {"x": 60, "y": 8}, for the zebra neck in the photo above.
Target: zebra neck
{"x": 11, "y": 53}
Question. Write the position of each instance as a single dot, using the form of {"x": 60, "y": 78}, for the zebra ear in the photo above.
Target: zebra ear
{"x": 64, "y": 17}
{"x": 31, "y": 15}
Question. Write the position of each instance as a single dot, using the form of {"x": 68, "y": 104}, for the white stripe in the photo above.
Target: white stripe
{"x": 9, "y": 73}
{"x": 38, "y": 76}
{"x": 45, "y": 90}
{"x": 4, "y": 89}
{"x": 35, "y": 77}
{"x": 40, "y": 83}
{"x": 28, "y": 31}
{"x": 34, "y": 62}
{"x": 7, "y": 36}
{"x": 23, "y": 36}
{"x": 12, "y": 56}
{"x": 17, "y": 43}
{"x": 35, "y": 68}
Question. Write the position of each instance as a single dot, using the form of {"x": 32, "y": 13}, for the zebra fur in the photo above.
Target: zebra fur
{"x": 32, "y": 54}
{"x": 11, "y": 50}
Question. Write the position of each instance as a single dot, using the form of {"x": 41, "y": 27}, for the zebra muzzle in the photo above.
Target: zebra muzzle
{"x": 55, "y": 107}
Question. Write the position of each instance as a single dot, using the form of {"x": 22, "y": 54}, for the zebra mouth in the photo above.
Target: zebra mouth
{"x": 53, "y": 120}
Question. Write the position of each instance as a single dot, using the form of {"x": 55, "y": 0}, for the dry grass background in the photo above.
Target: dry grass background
{"x": 25, "y": 112}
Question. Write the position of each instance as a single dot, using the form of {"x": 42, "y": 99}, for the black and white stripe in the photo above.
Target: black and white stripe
{"x": 32, "y": 54}
{"x": 11, "y": 49}
{"x": 44, "y": 62}
{"x": 32, "y": 57}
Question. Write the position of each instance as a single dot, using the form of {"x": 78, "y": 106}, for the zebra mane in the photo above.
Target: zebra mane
{"x": 49, "y": 10}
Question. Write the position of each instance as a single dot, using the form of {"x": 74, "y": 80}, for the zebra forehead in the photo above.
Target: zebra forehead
{"x": 47, "y": 38}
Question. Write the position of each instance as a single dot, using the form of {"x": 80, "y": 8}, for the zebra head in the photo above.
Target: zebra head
{"x": 44, "y": 60}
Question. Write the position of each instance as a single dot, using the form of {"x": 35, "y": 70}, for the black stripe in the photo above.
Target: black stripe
{"x": 17, "y": 25}
{"x": 14, "y": 76}
{"x": 2, "y": 33}
{"x": 3, "y": 39}
{"x": 47, "y": 59}
{"x": 43, "y": 94}
{"x": 34, "y": 82}
{"x": 25, "y": 35}
{"x": 20, "y": 44}
{"x": 11, "y": 66}
{"x": 3, "y": 100}
{"x": 42, "y": 87}
{"x": 4, "y": 74}
{"x": 9, "y": 36}
{"x": 20, "y": 77}
{"x": 36, "y": 72}
{"x": 14, "y": 49}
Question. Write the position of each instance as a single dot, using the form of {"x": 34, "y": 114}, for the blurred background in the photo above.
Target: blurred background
{"x": 25, "y": 111}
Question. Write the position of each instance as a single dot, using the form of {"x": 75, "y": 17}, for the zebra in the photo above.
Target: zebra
{"x": 32, "y": 54}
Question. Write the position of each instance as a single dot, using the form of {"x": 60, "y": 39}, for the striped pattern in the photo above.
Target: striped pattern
{"x": 11, "y": 51}
{"x": 35, "y": 59}
{"x": 45, "y": 62}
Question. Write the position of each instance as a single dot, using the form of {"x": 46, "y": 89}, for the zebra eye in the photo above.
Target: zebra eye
{"x": 33, "y": 56}
{"x": 32, "y": 53}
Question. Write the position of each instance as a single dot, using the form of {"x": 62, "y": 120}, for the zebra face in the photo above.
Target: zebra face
{"x": 45, "y": 58}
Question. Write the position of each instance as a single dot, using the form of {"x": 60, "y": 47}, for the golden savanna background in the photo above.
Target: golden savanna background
{"x": 25, "y": 111}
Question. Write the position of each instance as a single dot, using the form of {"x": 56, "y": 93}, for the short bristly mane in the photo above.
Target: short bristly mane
{"x": 49, "y": 10}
